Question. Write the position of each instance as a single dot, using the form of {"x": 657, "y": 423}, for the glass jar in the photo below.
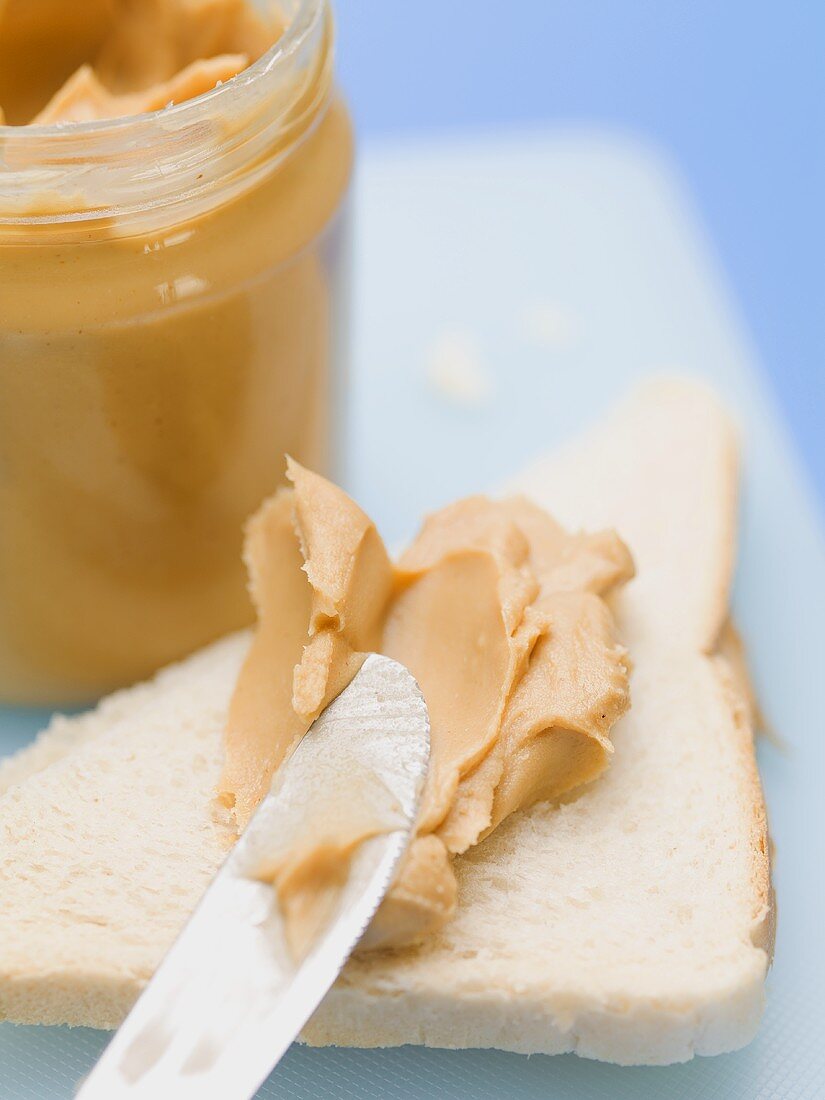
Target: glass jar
{"x": 172, "y": 299}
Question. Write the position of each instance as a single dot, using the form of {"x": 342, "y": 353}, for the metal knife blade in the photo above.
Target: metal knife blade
{"x": 228, "y": 999}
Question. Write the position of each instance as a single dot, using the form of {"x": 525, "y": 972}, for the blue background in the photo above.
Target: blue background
{"x": 732, "y": 92}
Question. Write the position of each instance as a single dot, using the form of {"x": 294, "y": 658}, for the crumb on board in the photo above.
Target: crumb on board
{"x": 456, "y": 371}
{"x": 546, "y": 323}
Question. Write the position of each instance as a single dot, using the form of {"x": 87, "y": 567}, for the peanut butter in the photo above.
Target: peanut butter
{"x": 500, "y": 616}
{"x": 155, "y": 367}
{"x": 102, "y": 59}
{"x": 311, "y": 858}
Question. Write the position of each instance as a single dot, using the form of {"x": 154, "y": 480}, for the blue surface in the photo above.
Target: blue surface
{"x": 604, "y": 231}
{"x": 733, "y": 92}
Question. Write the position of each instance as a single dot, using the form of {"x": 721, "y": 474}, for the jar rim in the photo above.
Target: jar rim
{"x": 193, "y": 152}
{"x": 288, "y": 43}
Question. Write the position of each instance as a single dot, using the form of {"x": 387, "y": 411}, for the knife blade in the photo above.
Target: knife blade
{"x": 229, "y": 998}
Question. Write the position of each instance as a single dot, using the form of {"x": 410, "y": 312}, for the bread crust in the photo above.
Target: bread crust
{"x": 763, "y": 931}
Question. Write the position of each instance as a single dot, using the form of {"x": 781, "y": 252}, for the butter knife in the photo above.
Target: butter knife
{"x": 229, "y": 998}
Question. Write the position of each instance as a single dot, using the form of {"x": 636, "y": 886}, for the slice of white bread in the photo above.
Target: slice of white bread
{"x": 632, "y": 924}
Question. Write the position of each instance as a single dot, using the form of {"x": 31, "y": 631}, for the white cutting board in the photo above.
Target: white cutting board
{"x": 563, "y": 266}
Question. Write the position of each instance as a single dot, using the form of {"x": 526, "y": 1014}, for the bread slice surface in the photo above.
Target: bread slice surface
{"x": 631, "y": 924}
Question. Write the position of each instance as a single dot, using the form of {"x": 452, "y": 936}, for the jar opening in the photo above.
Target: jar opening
{"x": 91, "y": 170}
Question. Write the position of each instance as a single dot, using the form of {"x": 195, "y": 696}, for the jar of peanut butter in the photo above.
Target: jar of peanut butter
{"x": 173, "y": 176}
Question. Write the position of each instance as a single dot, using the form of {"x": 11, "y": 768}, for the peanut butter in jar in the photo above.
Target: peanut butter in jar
{"x": 172, "y": 299}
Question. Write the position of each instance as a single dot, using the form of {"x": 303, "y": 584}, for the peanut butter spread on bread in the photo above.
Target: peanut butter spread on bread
{"x": 501, "y": 617}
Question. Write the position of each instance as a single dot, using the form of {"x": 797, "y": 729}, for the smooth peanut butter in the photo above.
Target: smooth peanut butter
{"x": 154, "y": 367}
{"x": 498, "y": 613}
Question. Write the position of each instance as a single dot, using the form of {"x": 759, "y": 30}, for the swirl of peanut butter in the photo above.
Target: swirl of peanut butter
{"x": 497, "y": 612}
{"x": 81, "y": 62}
